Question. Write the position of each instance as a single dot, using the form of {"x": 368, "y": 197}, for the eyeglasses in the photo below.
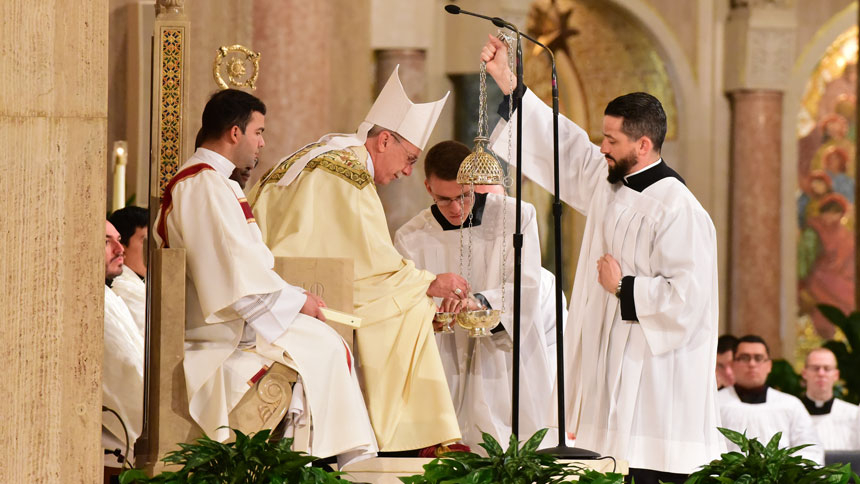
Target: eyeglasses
{"x": 465, "y": 199}
{"x": 746, "y": 358}
{"x": 817, "y": 368}
{"x": 412, "y": 158}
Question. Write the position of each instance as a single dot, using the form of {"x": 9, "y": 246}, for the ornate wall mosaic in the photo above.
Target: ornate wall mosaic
{"x": 827, "y": 138}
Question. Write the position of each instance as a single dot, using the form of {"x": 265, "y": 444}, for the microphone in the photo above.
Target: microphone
{"x": 455, "y": 10}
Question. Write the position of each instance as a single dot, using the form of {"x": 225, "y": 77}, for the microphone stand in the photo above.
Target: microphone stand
{"x": 562, "y": 450}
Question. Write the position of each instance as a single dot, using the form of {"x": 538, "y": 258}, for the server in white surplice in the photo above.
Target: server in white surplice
{"x": 642, "y": 334}
{"x": 479, "y": 371}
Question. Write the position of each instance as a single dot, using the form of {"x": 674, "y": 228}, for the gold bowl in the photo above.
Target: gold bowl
{"x": 447, "y": 320}
{"x": 480, "y": 322}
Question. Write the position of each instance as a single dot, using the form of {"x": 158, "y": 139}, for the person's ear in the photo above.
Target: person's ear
{"x": 235, "y": 132}
{"x": 427, "y": 186}
{"x": 645, "y": 145}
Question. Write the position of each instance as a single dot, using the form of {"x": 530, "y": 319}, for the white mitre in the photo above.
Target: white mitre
{"x": 392, "y": 110}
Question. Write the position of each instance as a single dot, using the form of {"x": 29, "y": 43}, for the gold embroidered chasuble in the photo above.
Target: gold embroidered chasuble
{"x": 332, "y": 209}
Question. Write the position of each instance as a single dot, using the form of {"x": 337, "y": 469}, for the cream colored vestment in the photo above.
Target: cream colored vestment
{"x": 332, "y": 209}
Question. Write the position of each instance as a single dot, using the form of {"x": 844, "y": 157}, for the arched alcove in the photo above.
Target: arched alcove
{"x": 821, "y": 63}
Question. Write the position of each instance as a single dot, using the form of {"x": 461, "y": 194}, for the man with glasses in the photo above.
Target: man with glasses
{"x": 836, "y": 421}
{"x": 751, "y": 406}
{"x": 322, "y": 202}
{"x": 479, "y": 370}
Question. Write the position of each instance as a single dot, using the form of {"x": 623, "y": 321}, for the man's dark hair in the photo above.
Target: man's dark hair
{"x": 225, "y": 109}
{"x": 643, "y": 116}
{"x": 127, "y": 220}
{"x": 444, "y": 159}
{"x": 751, "y": 338}
{"x": 725, "y": 343}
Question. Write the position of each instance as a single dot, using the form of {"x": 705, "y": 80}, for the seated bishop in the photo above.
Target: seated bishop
{"x": 479, "y": 370}
{"x": 322, "y": 202}
{"x": 244, "y": 324}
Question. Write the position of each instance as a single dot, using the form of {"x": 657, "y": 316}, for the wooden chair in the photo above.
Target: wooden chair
{"x": 169, "y": 422}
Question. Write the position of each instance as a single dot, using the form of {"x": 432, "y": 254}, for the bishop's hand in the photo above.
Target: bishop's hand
{"x": 456, "y": 305}
{"x": 608, "y": 273}
{"x": 495, "y": 54}
{"x": 449, "y": 285}
{"x": 312, "y": 306}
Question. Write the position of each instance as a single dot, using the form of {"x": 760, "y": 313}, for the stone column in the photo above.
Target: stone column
{"x": 398, "y": 197}
{"x": 754, "y": 283}
{"x": 315, "y": 77}
{"x": 759, "y": 46}
{"x": 53, "y": 123}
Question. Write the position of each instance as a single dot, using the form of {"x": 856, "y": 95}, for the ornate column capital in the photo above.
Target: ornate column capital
{"x": 170, "y": 8}
{"x": 760, "y": 38}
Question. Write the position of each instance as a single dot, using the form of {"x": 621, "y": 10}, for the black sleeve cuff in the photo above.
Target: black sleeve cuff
{"x": 628, "y": 304}
{"x": 503, "y": 106}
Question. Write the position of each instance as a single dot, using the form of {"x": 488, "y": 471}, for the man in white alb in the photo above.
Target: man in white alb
{"x": 122, "y": 371}
{"x": 479, "y": 370}
{"x": 836, "y": 421}
{"x": 132, "y": 223}
{"x": 751, "y": 406}
{"x": 643, "y": 328}
{"x": 242, "y": 319}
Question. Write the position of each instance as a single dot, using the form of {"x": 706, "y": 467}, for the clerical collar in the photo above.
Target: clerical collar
{"x": 477, "y": 213}
{"x": 216, "y": 160}
{"x": 650, "y": 175}
{"x": 752, "y": 395}
{"x": 816, "y": 407}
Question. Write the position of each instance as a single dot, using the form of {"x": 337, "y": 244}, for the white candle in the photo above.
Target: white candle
{"x": 120, "y": 154}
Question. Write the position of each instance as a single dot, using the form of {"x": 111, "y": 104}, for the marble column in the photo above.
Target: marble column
{"x": 398, "y": 197}
{"x": 53, "y": 123}
{"x": 755, "y": 269}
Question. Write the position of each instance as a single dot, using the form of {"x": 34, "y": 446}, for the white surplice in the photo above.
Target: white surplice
{"x": 479, "y": 370}
{"x": 122, "y": 373}
{"x": 780, "y": 412}
{"x": 230, "y": 282}
{"x": 132, "y": 289}
{"x": 548, "y": 316}
{"x": 840, "y": 428}
{"x": 639, "y": 390}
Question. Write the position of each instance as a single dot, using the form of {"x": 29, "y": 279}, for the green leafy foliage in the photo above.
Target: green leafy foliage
{"x": 767, "y": 464}
{"x": 848, "y": 352}
{"x": 785, "y": 379}
{"x": 251, "y": 459}
{"x": 516, "y": 465}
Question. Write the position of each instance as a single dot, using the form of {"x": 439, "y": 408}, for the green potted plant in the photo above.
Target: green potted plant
{"x": 767, "y": 464}
{"x": 251, "y": 459}
{"x": 847, "y": 352}
{"x": 517, "y": 465}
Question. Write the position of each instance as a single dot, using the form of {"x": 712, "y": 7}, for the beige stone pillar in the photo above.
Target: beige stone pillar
{"x": 759, "y": 52}
{"x": 53, "y": 125}
{"x": 315, "y": 74}
{"x": 754, "y": 268}
{"x": 399, "y": 197}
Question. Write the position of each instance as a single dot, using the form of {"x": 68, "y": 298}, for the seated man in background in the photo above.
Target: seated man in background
{"x": 752, "y": 407}
{"x": 479, "y": 370}
{"x": 836, "y": 421}
{"x": 122, "y": 371}
{"x": 132, "y": 224}
{"x": 725, "y": 348}
{"x": 244, "y": 323}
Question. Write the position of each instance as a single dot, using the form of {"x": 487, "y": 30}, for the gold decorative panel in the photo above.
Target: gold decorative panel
{"x": 601, "y": 53}
{"x": 170, "y": 101}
